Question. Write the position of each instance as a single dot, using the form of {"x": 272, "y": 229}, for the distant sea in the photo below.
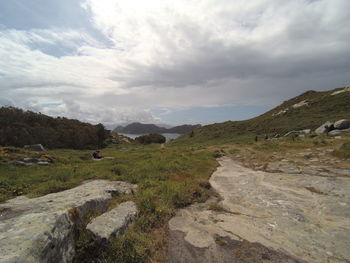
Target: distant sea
{"x": 168, "y": 136}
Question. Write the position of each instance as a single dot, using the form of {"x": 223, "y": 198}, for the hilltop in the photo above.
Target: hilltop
{"x": 18, "y": 128}
{"x": 306, "y": 111}
{"x": 141, "y": 128}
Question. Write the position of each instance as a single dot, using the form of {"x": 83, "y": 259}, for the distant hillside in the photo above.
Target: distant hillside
{"x": 306, "y": 111}
{"x": 140, "y": 128}
{"x": 18, "y": 128}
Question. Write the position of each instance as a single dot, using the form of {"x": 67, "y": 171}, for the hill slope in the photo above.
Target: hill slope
{"x": 306, "y": 111}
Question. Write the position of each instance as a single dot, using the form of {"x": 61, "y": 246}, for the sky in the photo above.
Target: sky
{"x": 166, "y": 61}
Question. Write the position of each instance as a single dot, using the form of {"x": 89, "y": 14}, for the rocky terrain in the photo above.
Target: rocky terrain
{"x": 293, "y": 213}
{"x": 42, "y": 229}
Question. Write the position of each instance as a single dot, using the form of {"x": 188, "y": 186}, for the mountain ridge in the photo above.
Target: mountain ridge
{"x": 142, "y": 128}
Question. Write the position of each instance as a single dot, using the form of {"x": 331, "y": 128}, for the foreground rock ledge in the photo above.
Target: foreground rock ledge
{"x": 114, "y": 222}
{"x": 42, "y": 229}
{"x": 268, "y": 217}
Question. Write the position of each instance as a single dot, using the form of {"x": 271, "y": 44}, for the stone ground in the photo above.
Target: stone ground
{"x": 297, "y": 212}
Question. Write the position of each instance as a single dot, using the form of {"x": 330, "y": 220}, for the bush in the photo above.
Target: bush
{"x": 150, "y": 138}
{"x": 217, "y": 154}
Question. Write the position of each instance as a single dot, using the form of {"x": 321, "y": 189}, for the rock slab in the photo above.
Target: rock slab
{"x": 114, "y": 222}
{"x": 266, "y": 217}
{"x": 42, "y": 229}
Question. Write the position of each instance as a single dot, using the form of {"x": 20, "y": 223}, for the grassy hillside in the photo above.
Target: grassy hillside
{"x": 318, "y": 108}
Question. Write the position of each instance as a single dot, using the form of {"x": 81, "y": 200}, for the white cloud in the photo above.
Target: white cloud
{"x": 178, "y": 54}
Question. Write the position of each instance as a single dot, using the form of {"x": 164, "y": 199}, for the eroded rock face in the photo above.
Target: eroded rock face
{"x": 268, "y": 217}
{"x": 41, "y": 229}
{"x": 114, "y": 222}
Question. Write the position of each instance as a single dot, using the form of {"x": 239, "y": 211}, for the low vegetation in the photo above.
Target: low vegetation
{"x": 151, "y": 138}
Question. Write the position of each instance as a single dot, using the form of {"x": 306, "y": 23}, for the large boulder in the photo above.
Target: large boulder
{"x": 42, "y": 229}
{"x": 114, "y": 222}
{"x": 342, "y": 124}
{"x": 324, "y": 127}
{"x": 35, "y": 147}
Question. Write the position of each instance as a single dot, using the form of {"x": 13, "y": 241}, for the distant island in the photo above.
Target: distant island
{"x": 141, "y": 128}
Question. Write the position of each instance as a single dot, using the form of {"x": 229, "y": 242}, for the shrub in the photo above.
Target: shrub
{"x": 151, "y": 138}
{"x": 216, "y": 207}
{"x": 217, "y": 154}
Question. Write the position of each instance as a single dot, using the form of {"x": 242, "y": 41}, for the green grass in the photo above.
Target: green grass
{"x": 216, "y": 207}
{"x": 168, "y": 179}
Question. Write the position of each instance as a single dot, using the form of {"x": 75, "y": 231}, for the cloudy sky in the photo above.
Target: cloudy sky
{"x": 166, "y": 61}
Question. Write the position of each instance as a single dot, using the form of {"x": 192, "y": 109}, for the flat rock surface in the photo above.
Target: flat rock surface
{"x": 114, "y": 222}
{"x": 41, "y": 229}
{"x": 268, "y": 217}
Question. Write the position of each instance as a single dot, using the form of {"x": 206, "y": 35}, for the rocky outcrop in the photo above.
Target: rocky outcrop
{"x": 266, "y": 217}
{"x": 114, "y": 222}
{"x": 323, "y": 128}
{"x": 42, "y": 229}
{"x": 340, "y": 91}
{"x": 333, "y": 128}
{"x": 342, "y": 124}
{"x": 306, "y": 131}
{"x": 300, "y": 104}
{"x": 281, "y": 112}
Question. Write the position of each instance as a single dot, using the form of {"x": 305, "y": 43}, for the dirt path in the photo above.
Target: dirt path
{"x": 266, "y": 217}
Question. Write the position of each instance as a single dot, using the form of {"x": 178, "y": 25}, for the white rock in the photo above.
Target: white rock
{"x": 300, "y": 104}
{"x": 322, "y": 128}
{"x": 42, "y": 229}
{"x": 280, "y": 112}
{"x": 340, "y": 91}
{"x": 342, "y": 124}
{"x": 114, "y": 222}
